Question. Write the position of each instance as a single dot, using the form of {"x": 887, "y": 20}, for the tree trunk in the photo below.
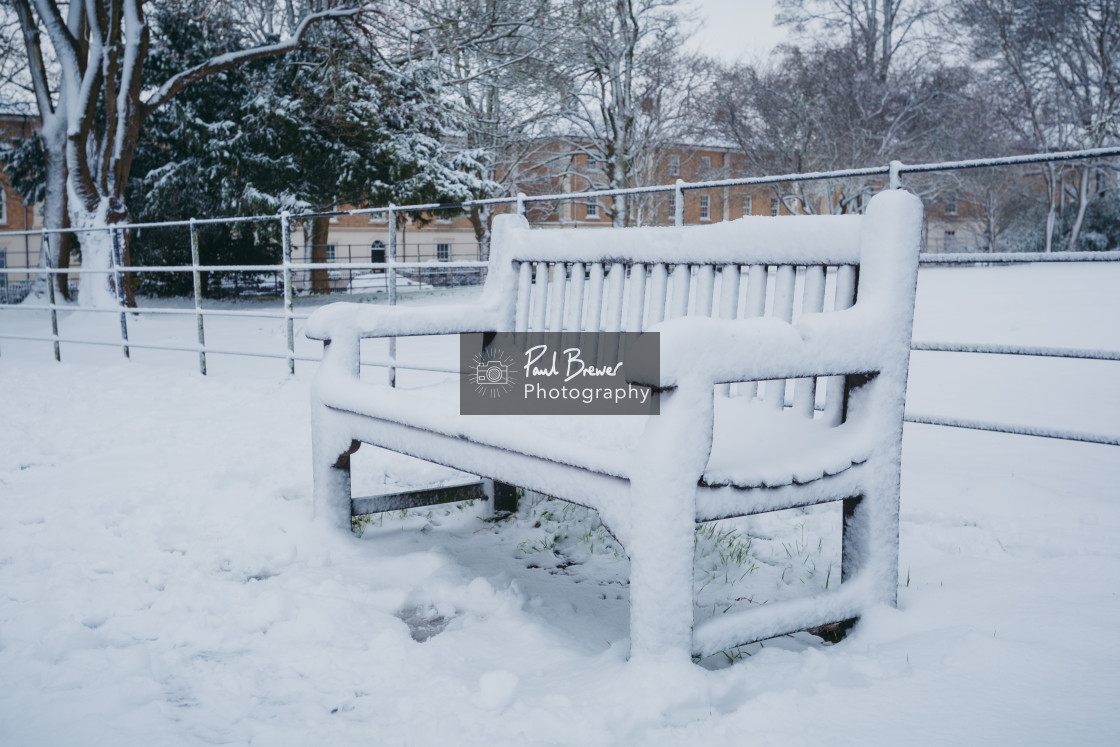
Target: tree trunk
{"x": 1082, "y": 206}
{"x": 481, "y": 218}
{"x": 320, "y": 233}
{"x": 55, "y": 250}
{"x": 1051, "y": 213}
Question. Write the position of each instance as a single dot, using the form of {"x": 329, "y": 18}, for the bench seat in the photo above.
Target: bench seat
{"x": 753, "y": 445}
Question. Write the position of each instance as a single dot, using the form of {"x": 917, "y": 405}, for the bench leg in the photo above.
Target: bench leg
{"x": 852, "y": 545}
{"x": 870, "y": 544}
{"x": 673, "y": 452}
{"x": 330, "y": 466}
{"x": 505, "y": 498}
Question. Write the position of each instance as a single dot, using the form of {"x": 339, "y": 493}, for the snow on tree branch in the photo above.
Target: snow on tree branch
{"x": 225, "y": 61}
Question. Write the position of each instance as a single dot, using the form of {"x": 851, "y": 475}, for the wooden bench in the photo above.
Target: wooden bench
{"x": 769, "y": 401}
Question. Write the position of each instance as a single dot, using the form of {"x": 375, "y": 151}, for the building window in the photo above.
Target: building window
{"x": 950, "y": 203}
{"x": 443, "y": 252}
{"x": 674, "y": 165}
{"x": 672, "y": 205}
{"x": 4, "y": 208}
{"x": 705, "y": 207}
{"x": 379, "y": 217}
{"x": 705, "y": 164}
{"x": 748, "y": 205}
{"x": 330, "y": 252}
{"x": 443, "y": 217}
{"x": 773, "y": 206}
{"x": 593, "y": 210}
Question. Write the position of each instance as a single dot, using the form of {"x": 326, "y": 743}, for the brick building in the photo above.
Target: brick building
{"x": 952, "y": 224}
{"x": 16, "y": 251}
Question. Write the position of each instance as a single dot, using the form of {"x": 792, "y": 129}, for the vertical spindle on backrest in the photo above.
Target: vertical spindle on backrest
{"x": 524, "y": 291}
{"x": 607, "y": 352}
{"x": 540, "y": 297}
{"x": 659, "y": 279}
{"x": 755, "y": 306}
{"x": 616, "y": 281}
{"x": 576, "y": 303}
{"x": 846, "y": 278}
{"x": 637, "y": 298}
{"x": 592, "y": 315}
{"x": 805, "y": 390}
{"x": 705, "y": 289}
{"x": 728, "y": 304}
{"x": 783, "y": 309}
{"x": 558, "y": 293}
{"x": 682, "y": 278}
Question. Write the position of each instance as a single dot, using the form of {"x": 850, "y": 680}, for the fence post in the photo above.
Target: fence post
{"x": 678, "y": 212}
{"x": 286, "y": 240}
{"x": 197, "y": 276}
{"x": 117, "y": 257}
{"x": 51, "y": 279}
{"x": 391, "y": 260}
{"x": 896, "y": 176}
{"x": 521, "y": 204}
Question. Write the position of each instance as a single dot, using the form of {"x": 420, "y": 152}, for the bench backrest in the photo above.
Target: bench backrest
{"x": 628, "y": 279}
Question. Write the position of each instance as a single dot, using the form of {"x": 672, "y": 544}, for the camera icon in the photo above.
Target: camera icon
{"x": 492, "y": 373}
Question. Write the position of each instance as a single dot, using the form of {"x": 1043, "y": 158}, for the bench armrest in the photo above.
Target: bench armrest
{"x": 714, "y": 351}
{"x": 339, "y": 320}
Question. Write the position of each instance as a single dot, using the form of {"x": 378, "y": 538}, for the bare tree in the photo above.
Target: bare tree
{"x": 501, "y": 86}
{"x": 874, "y": 30}
{"x": 1054, "y": 64}
{"x": 630, "y": 92}
{"x": 821, "y": 109}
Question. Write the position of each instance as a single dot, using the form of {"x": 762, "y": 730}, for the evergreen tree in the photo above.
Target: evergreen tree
{"x": 327, "y": 125}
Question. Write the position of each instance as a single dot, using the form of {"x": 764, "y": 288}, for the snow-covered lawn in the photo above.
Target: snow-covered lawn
{"x": 161, "y": 582}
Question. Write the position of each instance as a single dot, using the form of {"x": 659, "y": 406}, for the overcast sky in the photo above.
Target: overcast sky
{"x": 736, "y": 28}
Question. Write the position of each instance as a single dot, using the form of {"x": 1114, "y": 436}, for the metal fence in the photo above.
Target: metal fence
{"x": 398, "y": 272}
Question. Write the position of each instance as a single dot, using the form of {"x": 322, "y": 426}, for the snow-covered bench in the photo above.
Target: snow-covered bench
{"x": 740, "y": 301}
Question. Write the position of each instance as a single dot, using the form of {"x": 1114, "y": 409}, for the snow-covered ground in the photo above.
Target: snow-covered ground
{"x": 161, "y": 583}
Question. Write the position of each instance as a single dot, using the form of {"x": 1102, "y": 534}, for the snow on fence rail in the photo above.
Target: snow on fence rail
{"x": 894, "y": 171}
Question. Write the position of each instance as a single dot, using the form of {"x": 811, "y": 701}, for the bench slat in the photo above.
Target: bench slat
{"x": 754, "y": 305}
{"x": 846, "y": 277}
{"x": 540, "y": 300}
{"x": 558, "y": 291}
{"x": 637, "y": 298}
{"x": 682, "y": 278}
{"x": 524, "y": 288}
{"x": 660, "y": 282}
{"x": 728, "y": 303}
{"x": 575, "y": 308}
{"x": 783, "y": 309}
{"x": 592, "y": 318}
{"x": 805, "y": 390}
{"x": 615, "y": 282}
{"x": 705, "y": 289}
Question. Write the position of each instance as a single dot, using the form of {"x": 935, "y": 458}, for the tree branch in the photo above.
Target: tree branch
{"x": 226, "y": 61}
{"x": 35, "y": 58}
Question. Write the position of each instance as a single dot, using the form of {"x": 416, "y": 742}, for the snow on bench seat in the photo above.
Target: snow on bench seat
{"x": 753, "y": 446}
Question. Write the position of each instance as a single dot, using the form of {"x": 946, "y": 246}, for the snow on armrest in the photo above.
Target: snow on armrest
{"x": 712, "y": 351}
{"x": 364, "y": 320}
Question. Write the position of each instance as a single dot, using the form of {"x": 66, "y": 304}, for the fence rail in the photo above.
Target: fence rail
{"x": 392, "y": 268}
